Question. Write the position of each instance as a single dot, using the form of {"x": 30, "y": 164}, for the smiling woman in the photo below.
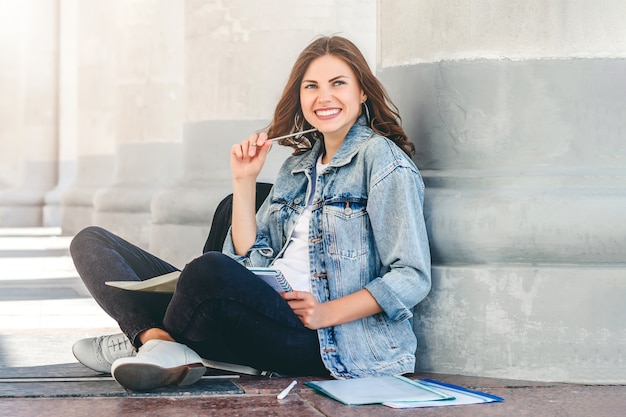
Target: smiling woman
{"x": 330, "y": 224}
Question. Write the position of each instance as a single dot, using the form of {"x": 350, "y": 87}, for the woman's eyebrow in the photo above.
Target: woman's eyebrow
{"x": 330, "y": 81}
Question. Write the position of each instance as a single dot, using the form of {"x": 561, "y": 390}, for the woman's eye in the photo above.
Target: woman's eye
{"x": 339, "y": 82}
{"x": 309, "y": 86}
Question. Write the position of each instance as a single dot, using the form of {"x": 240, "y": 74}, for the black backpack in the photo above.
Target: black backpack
{"x": 223, "y": 217}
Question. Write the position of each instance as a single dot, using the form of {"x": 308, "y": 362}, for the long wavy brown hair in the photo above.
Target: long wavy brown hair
{"x": 384, "y": 117}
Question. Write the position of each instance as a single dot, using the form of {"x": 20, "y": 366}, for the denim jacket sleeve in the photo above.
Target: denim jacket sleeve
{"x": 395, "y": 207}
{"x": 261, "y": 253}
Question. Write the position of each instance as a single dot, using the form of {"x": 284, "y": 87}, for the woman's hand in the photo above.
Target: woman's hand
{"x": 310, "y": 312}
{"x": 315, "y": 315}
{"x": 247, "y": 158}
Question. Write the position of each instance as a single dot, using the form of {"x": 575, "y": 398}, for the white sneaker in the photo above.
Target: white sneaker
{"x": 157, "y": 364}
{"x": 99, "y": 353}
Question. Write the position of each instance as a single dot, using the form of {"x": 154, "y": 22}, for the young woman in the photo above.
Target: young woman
{"x": 343, "y": 222}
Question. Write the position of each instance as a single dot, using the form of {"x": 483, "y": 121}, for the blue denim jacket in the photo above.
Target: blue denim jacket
{"x": 367, "y": 231}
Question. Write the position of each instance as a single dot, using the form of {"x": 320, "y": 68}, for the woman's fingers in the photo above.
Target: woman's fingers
{"x": 247, "y": 148}
{"x": 255, "y": 142}
{"x": 251, "y": 144}
{"x": 293, "y": 295}
{"x": 248, "y": 157}
{"x": 299, "y": 300}
{"x": 261, "y": 139}
{"x": 306, "y": 307}
{"x": 237, "y": 151}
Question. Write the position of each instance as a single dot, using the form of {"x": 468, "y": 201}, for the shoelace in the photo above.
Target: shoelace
{"x": 120, "y": 344}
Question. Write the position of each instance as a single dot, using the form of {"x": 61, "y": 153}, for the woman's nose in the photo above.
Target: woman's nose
{"x": 324, "y": 95}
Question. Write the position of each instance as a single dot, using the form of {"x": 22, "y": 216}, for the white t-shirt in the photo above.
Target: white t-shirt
{"x": 294, "y": 264}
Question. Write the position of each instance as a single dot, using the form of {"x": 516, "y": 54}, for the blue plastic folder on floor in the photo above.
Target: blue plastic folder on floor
{"x": 462, "y": 396}
{"x": 399, "y": 392}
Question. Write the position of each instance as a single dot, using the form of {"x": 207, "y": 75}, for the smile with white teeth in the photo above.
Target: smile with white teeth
{"x": 329, "y": 112}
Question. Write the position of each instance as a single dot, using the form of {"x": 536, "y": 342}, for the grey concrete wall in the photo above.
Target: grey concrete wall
{"x": 518, "y": 118}
{"x": 419, "y": 31}
{"x": 525, "y": 169}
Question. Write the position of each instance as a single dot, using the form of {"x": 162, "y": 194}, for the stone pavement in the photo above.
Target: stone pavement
{"x": 44, "y": 308}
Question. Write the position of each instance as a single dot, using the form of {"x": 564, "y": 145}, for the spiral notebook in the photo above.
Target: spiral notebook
{"x": 166, "y": 283}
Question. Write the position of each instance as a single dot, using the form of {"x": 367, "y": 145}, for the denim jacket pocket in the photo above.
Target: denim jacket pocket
{"x": 347, "y": 226}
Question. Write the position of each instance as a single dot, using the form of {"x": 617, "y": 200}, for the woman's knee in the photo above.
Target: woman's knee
{"x": 86, "y": 234}
{"x": 212, "y": 269}
{"x": 90, "y": 239}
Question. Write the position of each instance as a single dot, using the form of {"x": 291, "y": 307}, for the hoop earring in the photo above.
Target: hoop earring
{"x": 367, "y": 113}
{"x": 298, "y": 126}
{"x": 296, "y": 123}
{"x": 301, "y": 141}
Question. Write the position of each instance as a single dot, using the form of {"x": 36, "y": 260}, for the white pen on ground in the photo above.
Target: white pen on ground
{"x": 286, "y": 391}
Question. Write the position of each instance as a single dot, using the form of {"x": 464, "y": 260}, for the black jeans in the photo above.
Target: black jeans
{"x": 219, "y": 308}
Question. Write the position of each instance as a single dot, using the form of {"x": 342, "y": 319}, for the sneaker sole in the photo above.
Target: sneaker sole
{"x": 145, "y": 377}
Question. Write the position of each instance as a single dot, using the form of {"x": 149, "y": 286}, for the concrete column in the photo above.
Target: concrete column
{"x": 11, "y": 99}
{"x": 95, "y": 111}
{"x": 518, "y": 119}
{"x": 36, "y": 79}
{"x": 148, "y": 114}
{"x": 237, "y": 58}
{"x": 67, "y": 115}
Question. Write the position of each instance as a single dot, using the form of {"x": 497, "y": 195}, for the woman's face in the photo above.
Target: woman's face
{"x": 331, "y": 97}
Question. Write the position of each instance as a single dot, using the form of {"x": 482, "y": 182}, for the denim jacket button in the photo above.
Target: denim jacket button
{"x": 348, "y": 211}
{"x": 297, "y": 200}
